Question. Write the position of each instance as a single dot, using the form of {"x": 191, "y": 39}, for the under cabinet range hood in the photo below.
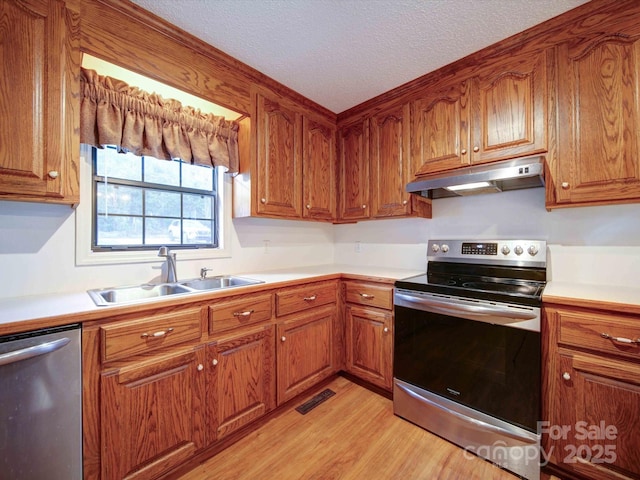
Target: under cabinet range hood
{"x": 487, "y": 178}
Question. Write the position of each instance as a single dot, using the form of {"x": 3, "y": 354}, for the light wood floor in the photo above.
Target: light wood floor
{"x": 351, "y": 436}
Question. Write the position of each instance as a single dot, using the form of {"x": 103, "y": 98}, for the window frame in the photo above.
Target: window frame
{"x": 85, "y": 255}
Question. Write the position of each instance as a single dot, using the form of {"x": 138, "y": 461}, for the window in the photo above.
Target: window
{"x": 141, "y": 203}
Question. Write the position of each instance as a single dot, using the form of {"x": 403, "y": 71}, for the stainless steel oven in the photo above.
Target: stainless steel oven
{"x": 467, "y": 348}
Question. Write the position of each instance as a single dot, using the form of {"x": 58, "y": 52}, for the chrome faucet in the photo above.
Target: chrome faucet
{"x": 172, "y": 275}
{"x": 203, "y": 272}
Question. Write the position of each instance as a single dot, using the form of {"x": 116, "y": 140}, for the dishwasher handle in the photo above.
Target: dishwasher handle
{"x": 30, "y": 352}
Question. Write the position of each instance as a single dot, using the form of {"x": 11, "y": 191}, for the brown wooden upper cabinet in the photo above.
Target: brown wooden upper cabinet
{"x": 319, "y": 169}
{"x": 499, "y": 113}
{"x": 39, "y": 140}
{"x": 599, "y": 120}
{"x": 390, "y": 162}
{"x": 354, "y": 171}
{"x": 279, "y": 159}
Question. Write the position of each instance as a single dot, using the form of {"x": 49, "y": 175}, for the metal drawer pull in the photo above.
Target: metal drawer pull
{"x": 367, "y": 296}
{"x": 159, "y": 334}
{"x": 310, "y": 299}
{"x": 243, "y": 314}
{"x": 621, "y": 339}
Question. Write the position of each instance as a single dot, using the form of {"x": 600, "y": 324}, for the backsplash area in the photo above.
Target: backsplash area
{"x": 37, "y": 241}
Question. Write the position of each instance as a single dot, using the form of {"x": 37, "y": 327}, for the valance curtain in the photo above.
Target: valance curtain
{"x": 114, "y": 113}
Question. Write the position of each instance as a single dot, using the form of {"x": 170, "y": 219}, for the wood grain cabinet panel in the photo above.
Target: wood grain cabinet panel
{"x": 39, "y": 129}
{"x": 319, "y": 170}
{"x": 151, "y": 415}
{"x": 292, "y": 300}
{"x": 592, "y": 398}
{"x": 369, "y": 294}
{"x": 355, "y": 187}
{"x": 390, "y": 163}
{"x": 241, "y": 383}
{"x": 305, "y": 353}
{"x": 240, "y": 312}
{"x": 279, "y": 159}
{"x": 599, "y": 121}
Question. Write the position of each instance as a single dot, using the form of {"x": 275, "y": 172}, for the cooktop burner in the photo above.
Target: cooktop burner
{"x": 460, "y": 271}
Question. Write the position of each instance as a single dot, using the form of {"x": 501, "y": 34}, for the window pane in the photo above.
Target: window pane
{"x": 165, "y": 172}
{"x": 111, "y": 164}
{"x": 157, "y": 231}
{"x": 196, "y": 231}
{"x": 117, "y": 199}
{"x": 197, "y": 206}
{"x": 119, "y": 230}
{"x": 162, "y": 204}
{"x": 197, "y": 176}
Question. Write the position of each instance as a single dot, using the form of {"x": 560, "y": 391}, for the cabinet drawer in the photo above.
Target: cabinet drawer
{"x": 237, "y": 313}
{"x": 298, "y": 299}
{"x": 146, "y": 334}
{"x": 380, "y": 296}
{"x": 585, "y": 330}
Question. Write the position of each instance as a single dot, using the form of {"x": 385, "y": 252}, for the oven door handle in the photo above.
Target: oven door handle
{"x": 473, "y": 421}
{"x": 453, "y": 307}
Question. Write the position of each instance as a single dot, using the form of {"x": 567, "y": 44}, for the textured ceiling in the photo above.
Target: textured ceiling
{"x": 340, "y": 53}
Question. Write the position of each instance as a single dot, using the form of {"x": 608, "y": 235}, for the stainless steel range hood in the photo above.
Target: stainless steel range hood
{"x": 487, "y": 178}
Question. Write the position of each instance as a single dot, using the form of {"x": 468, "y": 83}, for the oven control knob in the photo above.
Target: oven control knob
{"x": 435, "y": 247}
{"x": 505, "y": 250}
{"x": 532, "y": 250}
{"x": 445, "y": 248}
{"x": 518, "y": 250}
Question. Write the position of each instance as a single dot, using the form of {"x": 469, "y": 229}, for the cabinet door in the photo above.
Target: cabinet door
{"x": 241, "y": 384}
{"x": 390, "y": 163}
{"x": 369, "y": 342}
{"x": 279, "y": 157}
{"x": 151, "y": 415}
{"x": 510, "y": 109}
{"x": 305, "y": 351}
{"x": 599, "y": 409}
{"x": 440, "y": 125}
{"x": 39, "y": 125}
{"x": 354, "y": 171}
{"x": 599, "y": 108}
{"x": 319, "y": 170}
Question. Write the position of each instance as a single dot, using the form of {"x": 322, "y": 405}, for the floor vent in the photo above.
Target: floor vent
{"x": 315, "y": 401}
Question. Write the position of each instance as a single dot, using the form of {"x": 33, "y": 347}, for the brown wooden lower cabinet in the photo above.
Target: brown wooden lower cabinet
{"x": 151, "y": 415}
{"x": 305, "y": 350}
{"x": 593, "y": 393}
{"x": 241, "y": 380}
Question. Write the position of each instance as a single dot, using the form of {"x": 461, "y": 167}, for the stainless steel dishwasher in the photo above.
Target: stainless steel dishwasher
{"x": 41, "y": 405}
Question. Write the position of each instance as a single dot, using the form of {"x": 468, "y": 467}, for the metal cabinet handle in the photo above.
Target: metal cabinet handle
{"x": 385, "y": 329}
{"x": 566, "y": 376}
{"x": 364, "y": 206}
{"x": 621, "y": 339}
{"x": 404, "y": 202}
{"x": 159, "y": 334}
{"x": 243, "y": 314}
{"x": 30, "y": 352}
{"x": 263, "y": 200}
{"x": 311, "y": 298}
{"x": 476, "y": 149}
{"x": 308, "y": 207}
{"x": 283, "y": 338}
{"x": 565, "y": 185}
{"x": 53, "y": 174}
{"x": 200, "y": 367}
{"x": 463, "y": 151}
{"x": 214, "y": 362}
{"x": 367, "y": 296}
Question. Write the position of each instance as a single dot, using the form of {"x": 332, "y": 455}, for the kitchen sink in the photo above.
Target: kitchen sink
{"x": 146, "y": 292}
{"x": 222, "y": 281}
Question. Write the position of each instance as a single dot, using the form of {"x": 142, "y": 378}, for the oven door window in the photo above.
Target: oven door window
{"x": 490, "y": 368}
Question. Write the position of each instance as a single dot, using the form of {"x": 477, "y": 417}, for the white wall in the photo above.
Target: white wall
{"x": 518, "y": 214}
{"x": 37, "y": 241}
{"x": 37, "y": 251}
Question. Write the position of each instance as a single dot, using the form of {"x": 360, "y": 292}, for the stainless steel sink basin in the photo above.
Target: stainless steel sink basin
{"x": 147, "y": 292}
{"x": 119, "y": 295}
{"x": 222, "y": 281}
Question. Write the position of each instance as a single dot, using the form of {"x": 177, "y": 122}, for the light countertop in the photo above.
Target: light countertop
{"x": 19, "y": 313}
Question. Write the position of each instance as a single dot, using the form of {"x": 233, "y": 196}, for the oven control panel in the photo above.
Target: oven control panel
{"x": 506, "y": 252}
